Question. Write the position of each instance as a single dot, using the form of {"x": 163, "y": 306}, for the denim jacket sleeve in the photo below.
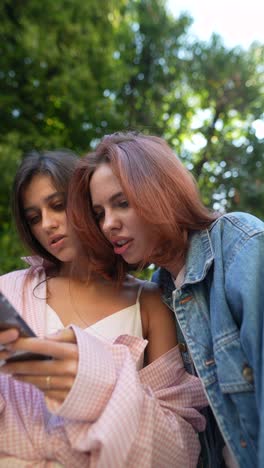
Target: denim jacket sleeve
{"x": 244, "y": 287}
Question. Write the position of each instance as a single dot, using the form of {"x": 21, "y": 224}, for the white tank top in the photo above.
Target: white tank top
{"x": 126, "y": 321}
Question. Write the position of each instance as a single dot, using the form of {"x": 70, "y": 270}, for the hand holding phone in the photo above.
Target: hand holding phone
{"x": 55, "y": 376}
{"x": 9, "y": 318}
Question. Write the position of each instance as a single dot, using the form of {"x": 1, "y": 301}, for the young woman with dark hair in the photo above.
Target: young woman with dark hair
{"x": 59, "y": 167}
{"x": 146, "y": 209}
{"x": 115, "y": 393}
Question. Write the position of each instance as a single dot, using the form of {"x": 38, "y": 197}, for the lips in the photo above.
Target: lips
{"x": 121, "y": 245}
{"x": 54, "y": 241}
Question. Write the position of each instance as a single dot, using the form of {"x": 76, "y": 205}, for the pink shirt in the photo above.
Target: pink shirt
{"x": 114, "y": 415}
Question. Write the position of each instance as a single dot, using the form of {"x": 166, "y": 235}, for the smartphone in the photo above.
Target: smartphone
{"x": 10, "y": 318}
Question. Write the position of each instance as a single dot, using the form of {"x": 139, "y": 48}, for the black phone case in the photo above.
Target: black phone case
{"x": 10, "y": 318}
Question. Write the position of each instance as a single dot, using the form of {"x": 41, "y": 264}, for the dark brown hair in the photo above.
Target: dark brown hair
{"x": 59, "y": 165}
{"x": 156, "y": 184}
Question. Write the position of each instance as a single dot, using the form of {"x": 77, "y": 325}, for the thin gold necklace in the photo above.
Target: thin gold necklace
{"x": 74, "y": 306}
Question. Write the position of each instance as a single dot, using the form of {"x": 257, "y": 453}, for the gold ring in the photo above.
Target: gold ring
{"x": 48, "y": 379}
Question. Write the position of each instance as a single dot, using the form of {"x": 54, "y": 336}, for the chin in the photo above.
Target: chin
{"x": 65, "y": 258}
{"x": 133, "y": 262}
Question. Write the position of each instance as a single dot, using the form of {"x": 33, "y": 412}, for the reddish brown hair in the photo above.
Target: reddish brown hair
{"x": 156, "y": 184}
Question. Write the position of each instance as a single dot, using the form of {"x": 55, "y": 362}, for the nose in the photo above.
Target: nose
{"x": 110, "y": 223}
{"x": 49, "y": 220}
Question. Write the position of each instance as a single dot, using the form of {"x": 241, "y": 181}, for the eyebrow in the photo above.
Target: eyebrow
{"x": 112, "y": 198}
{"x": 46, "y": 200}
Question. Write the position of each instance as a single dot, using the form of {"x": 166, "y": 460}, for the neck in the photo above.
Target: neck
{"x": 65, "y": 269}
{"x": 174, "y": 267}
{"x": 81, "y": 275}
{"x": 69, "y": 270}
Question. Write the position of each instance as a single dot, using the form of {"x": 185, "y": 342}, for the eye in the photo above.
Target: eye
{"x": 123, "y": 204}
{"x": 99, "y": 216}
{"x": 33, "y": 220}
{"x": 59, "y": 206}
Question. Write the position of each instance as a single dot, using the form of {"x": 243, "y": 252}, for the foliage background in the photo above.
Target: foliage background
{"x": 71, "y": 71}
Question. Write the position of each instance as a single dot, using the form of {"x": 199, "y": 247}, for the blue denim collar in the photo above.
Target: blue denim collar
{"x": 200, "y": 257}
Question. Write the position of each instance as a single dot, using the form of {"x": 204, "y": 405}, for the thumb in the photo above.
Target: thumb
{"x": 66, "y": 335}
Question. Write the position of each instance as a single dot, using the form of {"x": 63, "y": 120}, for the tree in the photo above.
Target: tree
{"x": 225, "y": 93}
{"x": 56, "y": 63}
{"x": 151, "y": 57}
{"x": 74, "y": 71}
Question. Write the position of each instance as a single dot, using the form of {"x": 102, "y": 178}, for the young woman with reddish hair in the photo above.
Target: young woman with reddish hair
{"x": 134, "y": 203}
{"x": 167, "y": 186}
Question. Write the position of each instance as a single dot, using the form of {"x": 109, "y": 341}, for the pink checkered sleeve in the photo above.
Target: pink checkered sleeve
{"x": 127, "y": 418}
{"x": 30, "y": 436}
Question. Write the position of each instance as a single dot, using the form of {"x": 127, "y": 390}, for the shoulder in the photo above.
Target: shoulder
{"x": 158, "y": 322}
{"x": 12, "y": 286}
{"x": 146, "y": 287}
{"x": 232, "y": 232}
{"x": 238, "y": 238}
{"x": 243, "y": 223}
{"x": 149, "y": 291}
{"x": 13, "y": 276}
{"x": 152, "y": 306}
{"x": 16, "y": 280}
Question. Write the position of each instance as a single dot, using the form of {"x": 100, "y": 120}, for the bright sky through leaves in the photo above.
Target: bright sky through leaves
{"x": 238, "y": 22}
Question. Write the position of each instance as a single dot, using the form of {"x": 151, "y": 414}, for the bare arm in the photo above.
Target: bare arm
{"x": 158, "y": 323}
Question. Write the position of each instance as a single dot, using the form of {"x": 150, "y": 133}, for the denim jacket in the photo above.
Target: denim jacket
{"x": 220, "y": 312}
